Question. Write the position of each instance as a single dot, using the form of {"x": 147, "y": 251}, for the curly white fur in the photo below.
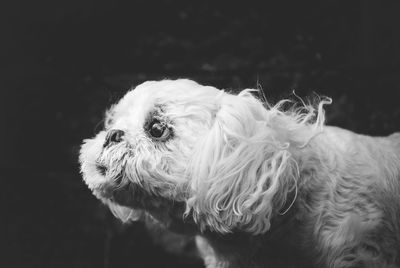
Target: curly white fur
{"x": 229, "y": 194}
{"x": 233, "y": 165}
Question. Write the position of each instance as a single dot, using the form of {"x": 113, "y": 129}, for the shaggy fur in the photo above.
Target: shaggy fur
{"x": 259, "y": 185}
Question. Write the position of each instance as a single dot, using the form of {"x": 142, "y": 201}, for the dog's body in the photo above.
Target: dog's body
{"x": 258, "y": 186}
{"x": 350, "y": 218}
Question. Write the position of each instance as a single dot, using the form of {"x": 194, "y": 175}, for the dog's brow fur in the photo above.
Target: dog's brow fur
{"x": 251, "y": 179}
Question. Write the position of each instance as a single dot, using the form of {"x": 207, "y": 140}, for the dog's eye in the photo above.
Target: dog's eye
{"x": 159, "y": 130}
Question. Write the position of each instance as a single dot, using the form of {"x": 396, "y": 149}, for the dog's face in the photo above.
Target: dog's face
{"x": 178, "y": 142}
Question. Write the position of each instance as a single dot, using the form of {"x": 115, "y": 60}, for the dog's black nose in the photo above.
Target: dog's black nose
{"x": 114, "y": 135}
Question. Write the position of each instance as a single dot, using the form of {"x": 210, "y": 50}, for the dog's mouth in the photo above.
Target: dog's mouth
{"x": 122, "y": 191}
{"x": 112, "y": 168}
{"x": 112, "y": 183}
{"x": 101, "y": 169}
{"x": 117, "y": 188}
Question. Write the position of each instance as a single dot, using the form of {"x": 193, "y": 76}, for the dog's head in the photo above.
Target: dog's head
{"x": 225, "y": 158}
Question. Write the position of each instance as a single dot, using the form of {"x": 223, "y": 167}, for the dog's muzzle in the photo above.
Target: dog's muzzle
{"x": 114, "y": 136}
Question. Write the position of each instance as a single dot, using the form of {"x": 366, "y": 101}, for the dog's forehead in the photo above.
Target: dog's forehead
{"x": 141, "y": 100}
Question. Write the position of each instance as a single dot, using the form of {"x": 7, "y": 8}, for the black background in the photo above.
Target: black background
{"x": 64, "y": 62}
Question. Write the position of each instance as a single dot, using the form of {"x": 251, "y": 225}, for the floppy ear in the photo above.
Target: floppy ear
{"x": 242, "y": 169}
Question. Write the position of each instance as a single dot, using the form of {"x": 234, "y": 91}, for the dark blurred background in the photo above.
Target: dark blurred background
{"x": 64, "y": 62}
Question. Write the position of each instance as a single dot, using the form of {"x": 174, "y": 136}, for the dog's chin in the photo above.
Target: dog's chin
{"x": 124, "y": 195}
{"x": 120, "y": 190}
{"x": 167, "y": 212}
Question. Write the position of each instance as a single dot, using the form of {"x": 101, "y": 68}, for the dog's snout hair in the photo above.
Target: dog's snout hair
{"x": 252, "y": 180}
{"x": 114, "y": 136}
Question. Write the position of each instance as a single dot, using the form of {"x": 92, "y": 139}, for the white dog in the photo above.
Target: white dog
{"x": 258, "y": 184}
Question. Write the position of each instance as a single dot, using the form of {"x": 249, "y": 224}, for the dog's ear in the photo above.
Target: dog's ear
{"x": 242, "y": 169}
